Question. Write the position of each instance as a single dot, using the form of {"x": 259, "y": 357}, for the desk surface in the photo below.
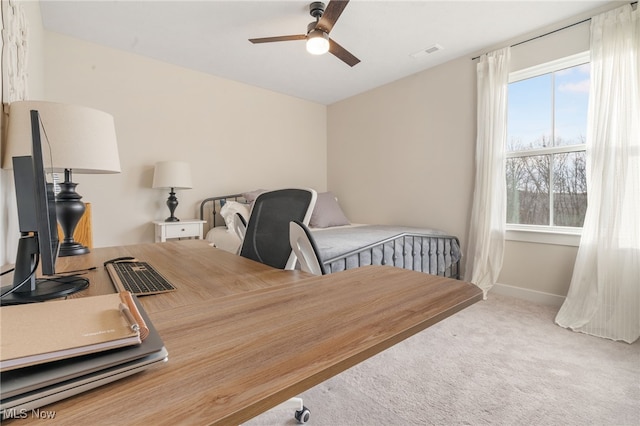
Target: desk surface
{"x": 243, "y": 337}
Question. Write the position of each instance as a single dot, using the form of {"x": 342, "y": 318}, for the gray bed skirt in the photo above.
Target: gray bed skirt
{"x": 424, "y": 250}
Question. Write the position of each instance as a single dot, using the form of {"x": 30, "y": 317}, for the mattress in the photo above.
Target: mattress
{"x": 224, "y": 239}
{"x": 346, "y": 247}
{"x": 425, "y": 250}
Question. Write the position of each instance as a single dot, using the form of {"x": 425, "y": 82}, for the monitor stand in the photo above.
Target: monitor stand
{"x": 45, "y": 289}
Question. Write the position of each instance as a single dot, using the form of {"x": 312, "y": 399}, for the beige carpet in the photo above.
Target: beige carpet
{"x": 502, "y": 361}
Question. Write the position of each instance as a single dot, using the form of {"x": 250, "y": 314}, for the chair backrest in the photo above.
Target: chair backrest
{"x": 239, "y": 225}
{"x": 266, "y": 238}
{"x": 305, "y": 248}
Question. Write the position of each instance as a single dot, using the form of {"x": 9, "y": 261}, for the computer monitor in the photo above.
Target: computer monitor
{"x": 39, "y": 243}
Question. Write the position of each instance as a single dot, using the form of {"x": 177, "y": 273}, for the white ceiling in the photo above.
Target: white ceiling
{"x": 212, "y": 36}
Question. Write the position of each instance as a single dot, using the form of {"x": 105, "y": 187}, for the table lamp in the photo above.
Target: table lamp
{"x": 75, "y": 139}
{"x": 172, "y": 175}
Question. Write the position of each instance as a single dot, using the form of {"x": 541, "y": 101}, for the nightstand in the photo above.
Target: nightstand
{"x": 185, "y": 228}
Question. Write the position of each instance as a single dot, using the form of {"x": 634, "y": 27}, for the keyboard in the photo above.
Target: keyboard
{"x": 138, "y": 277}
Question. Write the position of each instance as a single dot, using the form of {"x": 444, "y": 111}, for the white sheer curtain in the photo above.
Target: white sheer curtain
{"x": 604, "y": 297}
{"x": 487, "y": 227}
{"x": 14, "y": 82}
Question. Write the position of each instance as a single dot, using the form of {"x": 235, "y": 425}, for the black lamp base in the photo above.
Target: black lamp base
{"x": 72, "y": 249}
{"x": 69, "y": 209}
{"x": 172, "y": 203}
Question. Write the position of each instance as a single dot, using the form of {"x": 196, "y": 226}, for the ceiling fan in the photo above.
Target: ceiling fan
{"x": 317, "y": 36}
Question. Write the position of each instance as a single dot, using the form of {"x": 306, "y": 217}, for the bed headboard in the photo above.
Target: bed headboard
{"x": 210, "y": 208}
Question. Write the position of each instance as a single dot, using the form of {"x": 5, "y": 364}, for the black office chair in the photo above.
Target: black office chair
{"x": 239, "y": 225}
{"x": 305, "y": 248}
{"x": 266, "y": 238}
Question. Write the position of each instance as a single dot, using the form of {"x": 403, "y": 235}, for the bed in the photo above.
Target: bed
{"x": 344, "y": 245}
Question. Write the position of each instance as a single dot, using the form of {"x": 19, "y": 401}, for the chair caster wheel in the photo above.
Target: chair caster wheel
{"x": 302, "y": 416}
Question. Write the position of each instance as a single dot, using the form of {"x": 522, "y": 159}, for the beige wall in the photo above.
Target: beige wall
{"x": 404, "y": 153}
{"x": 236, "y": 137}
{"x": 544, "y": 268}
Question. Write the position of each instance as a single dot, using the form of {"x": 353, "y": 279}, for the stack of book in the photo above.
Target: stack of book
{"x": 55, "y": 349}
{"x": 36, "y": 333}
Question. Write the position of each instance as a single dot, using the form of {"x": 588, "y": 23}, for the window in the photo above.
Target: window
{"x": 545, "y": 153}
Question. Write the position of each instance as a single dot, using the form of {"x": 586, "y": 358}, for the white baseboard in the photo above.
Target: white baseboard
{"x": 528, "y": 294}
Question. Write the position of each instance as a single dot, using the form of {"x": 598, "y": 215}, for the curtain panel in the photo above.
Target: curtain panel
{"x": 604, "y": 296}
{"x": 14, "y": 88}
{"x": 487, "y": 227}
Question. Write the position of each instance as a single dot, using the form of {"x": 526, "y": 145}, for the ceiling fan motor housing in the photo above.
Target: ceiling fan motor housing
{"x": 316, "y": 9}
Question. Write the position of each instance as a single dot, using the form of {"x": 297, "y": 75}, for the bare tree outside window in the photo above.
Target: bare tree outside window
{"x": 570, "y": 189}
{"x": 546, "y": 160}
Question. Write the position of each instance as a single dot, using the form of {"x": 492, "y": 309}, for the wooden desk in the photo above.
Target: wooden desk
{"x": 243, "y": 337}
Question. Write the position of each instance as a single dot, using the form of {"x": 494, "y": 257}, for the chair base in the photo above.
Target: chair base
{"x": 301, "y": 414}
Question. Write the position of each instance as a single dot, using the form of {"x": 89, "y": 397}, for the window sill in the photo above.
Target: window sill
{"x": 544, "y": 235}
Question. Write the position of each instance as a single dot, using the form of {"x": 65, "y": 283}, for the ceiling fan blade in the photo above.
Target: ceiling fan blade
{"x": 331, "y": 14}
{"x": 343, "y": 54}
{"x": 279, "y": 38}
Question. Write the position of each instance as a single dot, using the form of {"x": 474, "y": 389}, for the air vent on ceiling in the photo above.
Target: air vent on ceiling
{"x": 429, "y": 50}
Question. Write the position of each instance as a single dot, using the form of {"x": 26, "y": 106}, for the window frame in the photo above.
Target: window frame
{"x": 546, "y": 234}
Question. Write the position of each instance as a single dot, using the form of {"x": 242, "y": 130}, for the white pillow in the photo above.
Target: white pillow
{"x": 229, "y": 210}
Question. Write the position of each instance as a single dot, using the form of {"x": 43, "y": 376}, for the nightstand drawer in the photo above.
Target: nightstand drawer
{"x": 187, "y": 228}
{"x": 183, "y": 230}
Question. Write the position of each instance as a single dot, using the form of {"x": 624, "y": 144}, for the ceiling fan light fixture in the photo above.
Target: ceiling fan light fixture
{"x": 317, "y": 42}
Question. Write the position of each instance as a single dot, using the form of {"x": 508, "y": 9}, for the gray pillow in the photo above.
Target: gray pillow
{"x": 252, "y": 195}
{"x": 327, "y": 212}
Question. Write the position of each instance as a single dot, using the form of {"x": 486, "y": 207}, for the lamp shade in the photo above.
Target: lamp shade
{"x": 73, "y": 137}
{"x": 172, "y": 174}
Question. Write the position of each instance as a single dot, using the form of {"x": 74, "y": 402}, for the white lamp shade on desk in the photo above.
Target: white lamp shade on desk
{"x": 73, "y": 137}
{"x": 172, "y": 174}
